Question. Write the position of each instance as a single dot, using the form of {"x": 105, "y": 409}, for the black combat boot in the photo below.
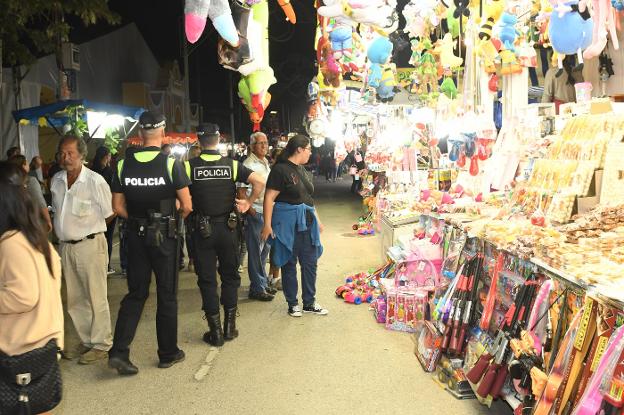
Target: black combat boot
{"x": 214, "y": 337}
{"x": 229, "y": 324}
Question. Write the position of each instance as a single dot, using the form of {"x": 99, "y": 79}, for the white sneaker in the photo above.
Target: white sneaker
{"x": 294, "y": 311}
{"x": 315, "y": 308}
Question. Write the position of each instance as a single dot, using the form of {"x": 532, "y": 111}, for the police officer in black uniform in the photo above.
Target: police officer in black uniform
{"x": 216, "y": 231}
{"x": 147, "y": 190}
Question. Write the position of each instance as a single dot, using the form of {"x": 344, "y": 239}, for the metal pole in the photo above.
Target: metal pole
{"x": 187, "y": 87}
{"x": 231, "y": 95}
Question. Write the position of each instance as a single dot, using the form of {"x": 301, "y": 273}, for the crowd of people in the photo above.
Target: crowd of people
{"x": 209, "y": 201}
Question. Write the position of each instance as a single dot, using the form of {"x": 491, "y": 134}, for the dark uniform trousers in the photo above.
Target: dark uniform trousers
{"x": 142, "y": 260}
{"x": 221, "y": 245}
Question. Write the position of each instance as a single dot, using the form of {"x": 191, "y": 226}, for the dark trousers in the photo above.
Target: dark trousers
{"x": 223, "y": 245}
{"x": 305, "y": 253}
{"x": 110, "y": 230}
{"x": 123, "y": 244}
{"x": 142, "y": 261}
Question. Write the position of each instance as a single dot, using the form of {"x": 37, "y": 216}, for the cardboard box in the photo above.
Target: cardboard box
{"x": 600, "y": 106}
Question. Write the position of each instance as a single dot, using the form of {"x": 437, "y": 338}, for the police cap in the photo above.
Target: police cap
{"x": 207, "y": 129}
{"x": 150, "y": 120}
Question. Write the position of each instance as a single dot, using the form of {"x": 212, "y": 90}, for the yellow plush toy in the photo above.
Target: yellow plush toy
{"x": 445, "y": 49}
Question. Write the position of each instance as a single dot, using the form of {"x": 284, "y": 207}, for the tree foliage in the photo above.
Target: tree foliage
{"x": 31, "y": 28}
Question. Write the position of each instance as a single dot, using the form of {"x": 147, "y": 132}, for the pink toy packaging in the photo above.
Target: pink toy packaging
{"x": 380, "y": 308}
{"x": 390, "y": 308}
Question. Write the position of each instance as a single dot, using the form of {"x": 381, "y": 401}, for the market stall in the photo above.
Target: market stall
{"x": 501, "y": 220}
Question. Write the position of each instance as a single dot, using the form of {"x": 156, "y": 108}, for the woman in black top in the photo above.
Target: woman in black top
{"x": 293, "y": 225}
{"x": 101, "y": 165}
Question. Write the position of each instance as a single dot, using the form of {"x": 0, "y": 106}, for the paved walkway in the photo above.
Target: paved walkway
{"x": 343, "y": 363}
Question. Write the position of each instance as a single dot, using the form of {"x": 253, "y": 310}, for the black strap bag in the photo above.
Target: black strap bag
{"x": 30, "y": 383}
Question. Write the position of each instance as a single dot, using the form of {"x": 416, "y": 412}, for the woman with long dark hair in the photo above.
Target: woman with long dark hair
{"x": 31, "y": 313}
{"x": 101, "y": 164}
{"x": 292, "y": 225}
{"x": 34, "y": 188}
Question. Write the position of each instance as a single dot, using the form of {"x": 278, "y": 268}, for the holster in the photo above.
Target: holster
{"x": 153, "y": 235}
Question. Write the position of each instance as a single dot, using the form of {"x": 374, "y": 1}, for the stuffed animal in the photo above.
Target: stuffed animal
{"x": 492, "y": 13}
{"x": 254, "y": 94}
{"x": 328, "y": 66}
{"x": 419, "y": 16}
{"x": 386, "y": 87}
{"x": 448, "y": 88}
{"x": 507, "y": 35}
{"x": 508, "y": 32}
{"x": 604, "y": 23}
{"x": 569, "y": 32}
{"x": 196, "y": 12}
{"x": 445, "y": 50}
{"x": 428, "y": 71}
{"x": 380, "y": 14}
{"x": 487, "y": 50}
{"x": 461, "y": 8}
{"x": 378, "y": 53}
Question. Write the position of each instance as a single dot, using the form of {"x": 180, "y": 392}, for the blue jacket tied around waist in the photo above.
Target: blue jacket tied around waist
{"x": 288, "y": 219}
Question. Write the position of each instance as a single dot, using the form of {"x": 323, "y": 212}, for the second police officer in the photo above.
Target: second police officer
{"x": 215, "y": 229}
{"x": 146, "y": 190}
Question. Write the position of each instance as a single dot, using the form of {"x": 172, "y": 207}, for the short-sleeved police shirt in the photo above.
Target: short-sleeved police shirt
{"x": 293, "y": 182}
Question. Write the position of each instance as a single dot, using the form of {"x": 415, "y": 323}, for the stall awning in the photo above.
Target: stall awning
{"x": 171, "y": 138}
{"x": 55, "y": 115}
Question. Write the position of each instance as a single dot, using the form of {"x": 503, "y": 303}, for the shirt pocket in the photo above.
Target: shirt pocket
{"x": 81, "y": 207}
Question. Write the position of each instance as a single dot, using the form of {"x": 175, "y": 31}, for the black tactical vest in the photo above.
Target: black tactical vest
{"x": 147, "y": 185}
{"x": 213, "y": 189}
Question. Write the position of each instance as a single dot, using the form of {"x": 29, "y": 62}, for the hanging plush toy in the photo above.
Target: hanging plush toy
{"x": 380, "y": 14}
{"x": 492, "y": 13}
{"x": 420, "y": 15}
{"x": 328, "y": 65}
{"x": 253, "y": 91}
{"x": 427, "y": 70}
{"x": 445, "y": 50}
{"x": 569, "y": 31}
{"x": 604, "y": 23}
{"x": 378, "y": 53}
{"x": 448, "y": 88}
{"x": 196, "y": 12}
{"x": 507, "y": 35}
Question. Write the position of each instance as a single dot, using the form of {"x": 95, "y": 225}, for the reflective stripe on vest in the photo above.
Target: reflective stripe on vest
{"x": 146, "y": 157}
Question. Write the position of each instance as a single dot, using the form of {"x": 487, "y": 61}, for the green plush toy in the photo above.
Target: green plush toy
{"x": 448, "y": 88}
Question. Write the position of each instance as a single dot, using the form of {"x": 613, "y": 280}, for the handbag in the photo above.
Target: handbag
{"x": 30, "y": 383}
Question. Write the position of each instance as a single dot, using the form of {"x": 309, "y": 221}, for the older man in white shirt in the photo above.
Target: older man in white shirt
{"x": 82, "y": 203}
{"x": 257, "y": 250}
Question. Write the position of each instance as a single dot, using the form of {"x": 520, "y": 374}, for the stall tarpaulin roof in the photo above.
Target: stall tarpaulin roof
{"x": 170, "y": 138}
{"x": 55, "y": 115}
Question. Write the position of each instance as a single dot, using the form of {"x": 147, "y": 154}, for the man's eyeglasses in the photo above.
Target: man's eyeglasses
{"x": 261, "y": 143}
{"x": 309, "y": 148}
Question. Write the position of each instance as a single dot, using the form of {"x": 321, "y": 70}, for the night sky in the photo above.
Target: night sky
{"x": 291, "y": 57}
